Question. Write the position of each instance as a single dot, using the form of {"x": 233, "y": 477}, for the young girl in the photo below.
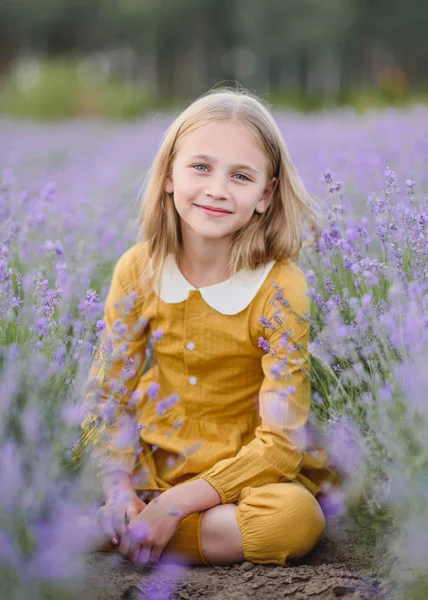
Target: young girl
{"x": 209, "y": 433}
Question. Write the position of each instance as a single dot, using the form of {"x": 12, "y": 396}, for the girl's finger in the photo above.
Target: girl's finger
{"x": 108, "y": 526}
{"x": 155, "y": 554}
{"x": 132, "y": 512}
{"x": 133, "y": 551}
{"x": 125, "y": 543}
{"x": 119, "y": 522}
{"x": 144, "y": 555}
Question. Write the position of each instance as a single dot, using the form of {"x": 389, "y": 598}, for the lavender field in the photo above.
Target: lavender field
{"x": 68, "y": 209}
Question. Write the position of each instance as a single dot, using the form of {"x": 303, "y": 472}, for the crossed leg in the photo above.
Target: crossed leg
{"x": 269, "y": 524}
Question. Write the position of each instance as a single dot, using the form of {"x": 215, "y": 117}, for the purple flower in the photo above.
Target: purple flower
{"x": 66, "y": 319}
{"x": 129, "y": 300}
{"x": 285, "y": 341}
{"x": 277, "y": 370}
{"x": 332, "y": 503}
{"x": 153, "y": 390}
{"x": 119, "y": 328}
{"x": 4, "y": 271}
{"x": 91, "y": 298}
{"x": 262, "y": 343}
{"x": 266, "y": 323}
{"x": 311, "y": 277}
{"x": 140, "y": 325}
{"x": 163, "y": 405}
{"x": 72, "y": 414}
{"x": 158, "y": 334}
{"x": 42, "y": 326}
{"x": 126, "y": 433}
{"x": 9, "y": 552}
{"x": 59, "y": 356}
{"x": 100, "y": 325}
{"x": 328, "y": 178}
{"x": 135, "y": 398}
{"x": 346, "y": 446}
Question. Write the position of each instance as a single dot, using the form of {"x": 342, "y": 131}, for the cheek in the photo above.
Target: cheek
{"x": 184, "y": 197}
{"x": 187, "y": 188}
{"x": 248, "y": 203}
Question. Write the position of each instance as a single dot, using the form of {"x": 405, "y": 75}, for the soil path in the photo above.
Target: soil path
{"x": 337, "y": 568}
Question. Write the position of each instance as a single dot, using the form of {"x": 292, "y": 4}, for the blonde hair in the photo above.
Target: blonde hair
{"x": 277, "y": 233}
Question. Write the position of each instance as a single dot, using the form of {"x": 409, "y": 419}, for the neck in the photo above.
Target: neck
{"x": 204, "y": 262}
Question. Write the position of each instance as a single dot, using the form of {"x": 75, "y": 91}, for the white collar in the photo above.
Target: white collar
{"x": 229, "y": 297}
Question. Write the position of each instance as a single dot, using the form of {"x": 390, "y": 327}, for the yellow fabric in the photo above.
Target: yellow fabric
{"x": 186, "y": 542}
{"x": 279, "y": 522}
{"x": 228, "y": 427}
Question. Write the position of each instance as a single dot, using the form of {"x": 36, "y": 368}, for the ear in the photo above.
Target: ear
{"x": 266, "y": 199}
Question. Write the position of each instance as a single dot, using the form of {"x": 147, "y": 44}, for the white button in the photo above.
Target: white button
{"x": 190, "y": 345}
{"x": 193, "y": 380}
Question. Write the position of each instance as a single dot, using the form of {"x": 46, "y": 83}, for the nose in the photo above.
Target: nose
{"x": 218, "y": 188}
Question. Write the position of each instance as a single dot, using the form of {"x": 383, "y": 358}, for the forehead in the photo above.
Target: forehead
{"x": 226, "y": 141}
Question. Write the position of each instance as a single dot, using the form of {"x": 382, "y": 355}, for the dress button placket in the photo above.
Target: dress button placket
{"x": 191, "y": 314}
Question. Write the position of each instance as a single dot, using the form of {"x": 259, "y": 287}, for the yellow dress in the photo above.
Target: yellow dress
{"x": 213, "y": 405}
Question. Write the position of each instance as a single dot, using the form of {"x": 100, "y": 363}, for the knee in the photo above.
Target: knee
{"x": 308, "y": 525}
{"x": 280, "y": 521}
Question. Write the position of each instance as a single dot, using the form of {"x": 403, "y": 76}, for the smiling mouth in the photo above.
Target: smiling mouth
{"x": 214, "y": 210}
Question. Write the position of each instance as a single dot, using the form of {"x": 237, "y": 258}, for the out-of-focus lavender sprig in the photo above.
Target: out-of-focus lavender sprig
{"x": 368, "y": 284}
{"x": 369, "y": 329}
{"x": 48, "y": 511}
{"x": 49, "y": 333}
{"x": 45, "y": 509}
{"x": 104, "y": 394}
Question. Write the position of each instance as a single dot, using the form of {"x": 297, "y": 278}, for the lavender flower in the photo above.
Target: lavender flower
{"x": 153, "y": 390}
{"x": 264, "y": 344}
{"x": 163, "y": 405}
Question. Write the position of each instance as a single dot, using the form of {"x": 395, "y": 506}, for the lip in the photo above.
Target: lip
{"x": 213, "y": 211}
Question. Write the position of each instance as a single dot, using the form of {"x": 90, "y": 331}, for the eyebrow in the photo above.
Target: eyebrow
{"x": 213, "y": 160}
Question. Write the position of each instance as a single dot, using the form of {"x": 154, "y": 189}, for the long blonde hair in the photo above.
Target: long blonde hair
{"x": 277, "y": 233}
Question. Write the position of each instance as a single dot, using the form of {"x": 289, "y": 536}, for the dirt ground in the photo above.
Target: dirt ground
{"x": 339, "y": 567}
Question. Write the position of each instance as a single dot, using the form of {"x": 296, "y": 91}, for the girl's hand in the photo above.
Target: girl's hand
{"x": 115, "y": 515}
{"x": 149, "y": 532}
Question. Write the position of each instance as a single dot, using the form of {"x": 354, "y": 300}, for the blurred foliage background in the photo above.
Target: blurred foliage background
{"x": 120, "y": 59}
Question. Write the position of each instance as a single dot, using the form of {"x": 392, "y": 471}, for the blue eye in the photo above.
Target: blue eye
{"x": 238, "y": 174}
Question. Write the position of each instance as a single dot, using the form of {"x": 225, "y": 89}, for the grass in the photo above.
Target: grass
{"x": 59, "y": 89}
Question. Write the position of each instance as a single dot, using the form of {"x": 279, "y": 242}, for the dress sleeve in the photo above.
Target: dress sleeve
{"x": 284, "y": 398}
{"x": 110, "y": 425}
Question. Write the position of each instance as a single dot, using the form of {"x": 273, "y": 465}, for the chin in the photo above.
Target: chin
{"x": 210, "y": 234}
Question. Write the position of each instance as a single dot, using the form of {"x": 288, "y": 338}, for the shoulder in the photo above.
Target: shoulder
{"x": 288, "y": 276}
{"x": 287, "y": 282}
{"x": 288, "y": 273}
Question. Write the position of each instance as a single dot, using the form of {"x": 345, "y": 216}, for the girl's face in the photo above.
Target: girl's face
{"x": 219, "y": 167}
